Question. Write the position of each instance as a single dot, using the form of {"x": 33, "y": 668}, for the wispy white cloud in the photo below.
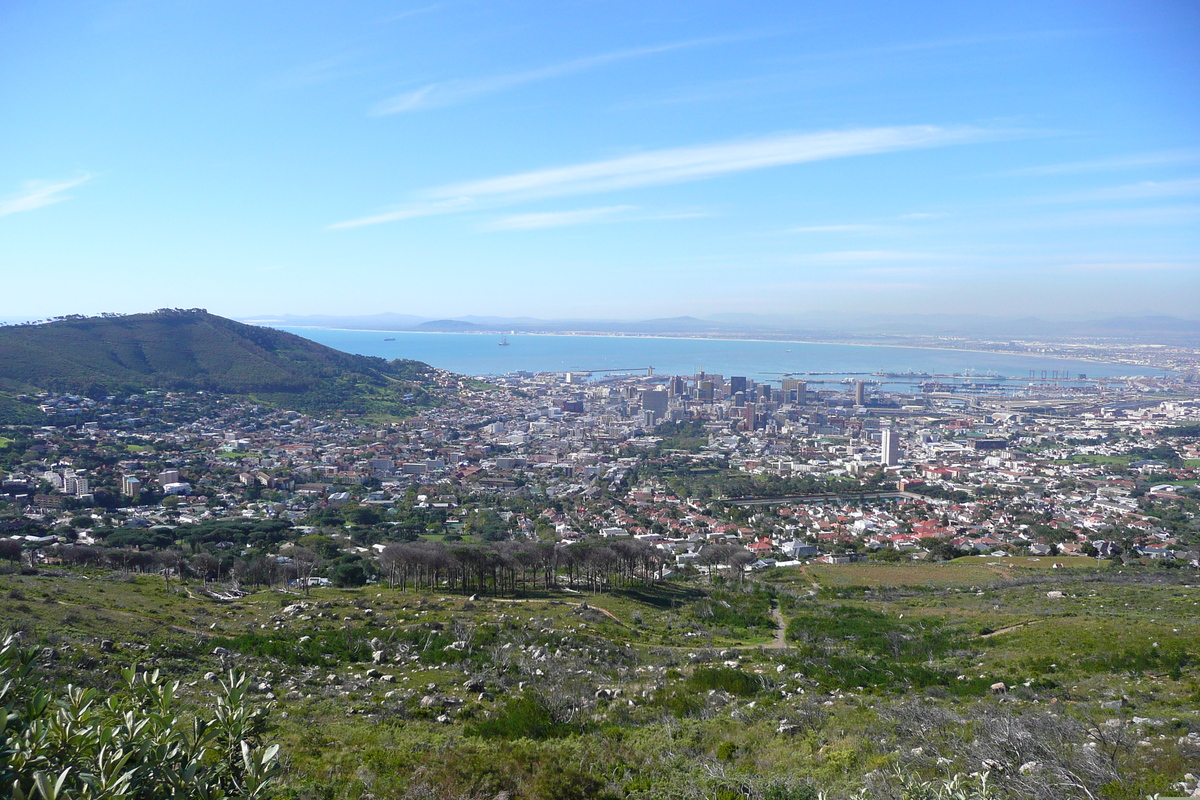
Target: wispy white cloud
{"x": 848, "y": 228}
{"x": 453, "y": 92}
{"x": 408, "y": 212}
{"x": 585, "y": 216}
{"x": 682, "y": 164}
{"x": 1127, "y": 266}
{"x": 37, "y": 194}
{"x": 313, "y": 73}
{"x": 1164, "y": 216}
{"x": 1186, "y": 155}
{"x": 558, "y": 219}
{"x": 867, "y": 256}
{"x": 675, "y": 165}
{"x": 1133, "y": 191}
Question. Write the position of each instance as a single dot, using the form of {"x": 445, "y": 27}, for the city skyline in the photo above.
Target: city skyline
{"x": 611, "y": 161}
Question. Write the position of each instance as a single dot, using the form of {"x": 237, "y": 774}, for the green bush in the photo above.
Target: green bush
{"x": 734, "y": 681}
{"x": 523, "y": 718}
{"x": 137, "y": 745}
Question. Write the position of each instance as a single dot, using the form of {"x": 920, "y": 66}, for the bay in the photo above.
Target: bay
{"x": 479, "y": 354}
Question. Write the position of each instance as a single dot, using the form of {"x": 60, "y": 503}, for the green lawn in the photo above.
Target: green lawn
{"x": 1098, "y": 460}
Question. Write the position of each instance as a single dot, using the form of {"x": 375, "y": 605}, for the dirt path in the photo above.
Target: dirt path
{"x": 816, "y": 587}
{"x": 1008, "y": 628}
{"x": 780, "y": 628}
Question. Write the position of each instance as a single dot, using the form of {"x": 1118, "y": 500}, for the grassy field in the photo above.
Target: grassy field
{"x": 675, "y": 689}
{"x": 1123, "y": 461}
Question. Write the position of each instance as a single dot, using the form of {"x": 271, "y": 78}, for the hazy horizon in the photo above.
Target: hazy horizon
{"x": 609, "y": 161}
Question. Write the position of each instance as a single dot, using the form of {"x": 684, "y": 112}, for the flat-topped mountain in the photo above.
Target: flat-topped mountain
{"x": 176, "y": 349}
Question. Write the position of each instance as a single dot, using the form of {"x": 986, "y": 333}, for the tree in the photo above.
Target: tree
{"x": 738, "y": 560}
{"x": 207, "y": 566}
{"x": 487, "y": 525}
{"x": 10, "y": 549}
{"x": 348, "y": 574}
{"x": 306, "y": 563}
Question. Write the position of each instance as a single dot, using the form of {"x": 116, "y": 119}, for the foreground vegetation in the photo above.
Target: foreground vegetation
{"x": 885, "y": 684}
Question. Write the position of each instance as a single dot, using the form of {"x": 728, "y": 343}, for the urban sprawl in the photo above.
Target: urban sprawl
{"x": 697, "y": 473}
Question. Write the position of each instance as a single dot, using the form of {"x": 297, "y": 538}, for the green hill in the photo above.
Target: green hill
{"x": 192, "y": 350}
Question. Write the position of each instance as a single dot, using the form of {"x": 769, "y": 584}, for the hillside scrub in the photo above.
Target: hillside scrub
{"x": 138, "y": 744}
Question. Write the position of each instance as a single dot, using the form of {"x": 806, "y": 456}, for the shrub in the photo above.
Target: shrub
{"x": 523, "y": 718}
{"x": 137, "y": 745}
{"x": 734, "y": 681}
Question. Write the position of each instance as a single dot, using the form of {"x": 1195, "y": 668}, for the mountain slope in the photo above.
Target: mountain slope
{"x": 195, "y": 350}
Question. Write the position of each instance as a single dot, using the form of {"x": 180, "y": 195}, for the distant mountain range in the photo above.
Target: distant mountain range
{"x": 193, "y": 350}
{"x": 1148, "y": 329}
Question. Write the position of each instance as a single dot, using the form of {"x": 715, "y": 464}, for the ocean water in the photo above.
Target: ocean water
{"x": 479, "y": 354}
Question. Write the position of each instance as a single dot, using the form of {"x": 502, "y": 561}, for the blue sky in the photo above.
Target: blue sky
{"x": 600, "y": 159}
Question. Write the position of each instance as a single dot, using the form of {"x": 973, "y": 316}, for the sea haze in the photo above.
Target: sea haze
{"x": 480, "y": 354}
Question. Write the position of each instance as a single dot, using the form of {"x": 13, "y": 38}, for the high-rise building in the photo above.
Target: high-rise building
{"x": 890, "y": 451}
{"x": 131, "y": 486}
{"x": 168, "y": 476}
{"x": 860, "y": 393}
{"x": 737, "y": 383}
{"x": 797, "y": 386}
{"x": 706, "y": 391}
{"x": 655, "y": 400}
{"x": 751, "y": 416}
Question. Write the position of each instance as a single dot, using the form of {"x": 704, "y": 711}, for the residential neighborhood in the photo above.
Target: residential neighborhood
{"x": 773, "y": 473}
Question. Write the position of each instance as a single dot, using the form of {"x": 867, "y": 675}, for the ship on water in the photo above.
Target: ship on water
{"x": 503, "y": 341}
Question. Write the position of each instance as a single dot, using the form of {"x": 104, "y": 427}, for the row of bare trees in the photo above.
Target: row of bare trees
{"x": 207, "y": 567}
{"x": 510, "y": 567}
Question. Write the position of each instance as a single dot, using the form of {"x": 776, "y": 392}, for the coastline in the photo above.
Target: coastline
{"x": 749, "y": 338}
